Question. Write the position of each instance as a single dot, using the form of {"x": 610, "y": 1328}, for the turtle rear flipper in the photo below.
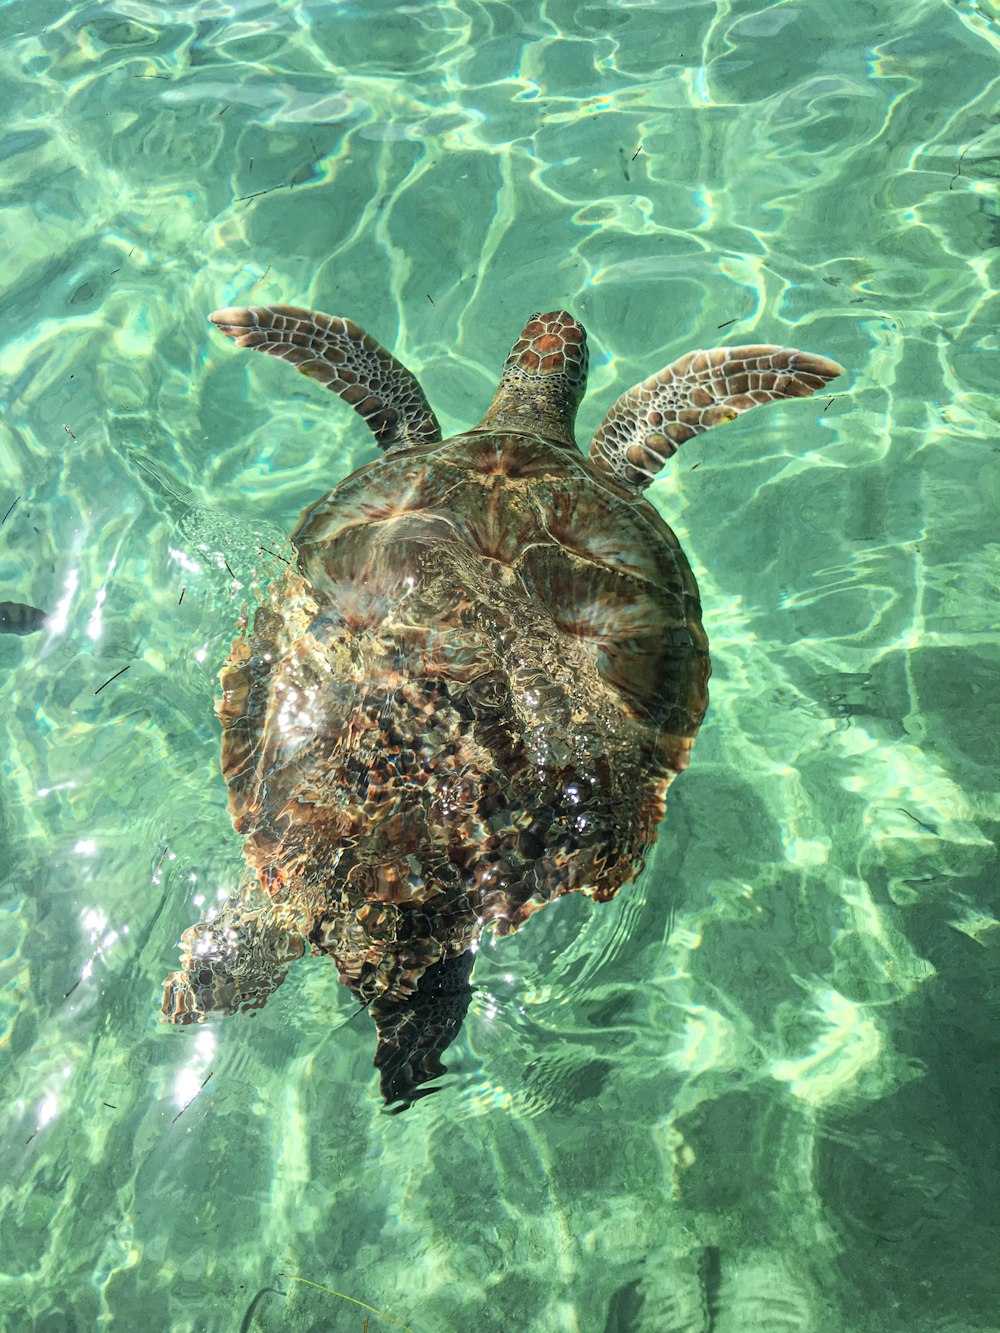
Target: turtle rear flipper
{"x": 414, "y": 1031}
{"x": 231, "y": 963}
{"x": 344, "y": 358}
{"x": 649, "y": 422}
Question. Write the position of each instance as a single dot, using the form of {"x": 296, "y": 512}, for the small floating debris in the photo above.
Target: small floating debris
{"x": 926, "y": 828}
{"x": 251, "y": 1309}
{"x": 111, "y": 678}
{"x": 194, "y": 1098}
{"x": 373, "y": 1309}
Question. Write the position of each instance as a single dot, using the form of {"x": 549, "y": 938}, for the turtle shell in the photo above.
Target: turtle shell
{"x": 467, "y": 697}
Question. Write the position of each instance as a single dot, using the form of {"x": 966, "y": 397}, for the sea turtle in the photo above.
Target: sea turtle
{"x": 470, "y": 692}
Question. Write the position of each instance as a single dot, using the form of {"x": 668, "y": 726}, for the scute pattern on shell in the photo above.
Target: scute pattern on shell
{"x": 446, "y": 717}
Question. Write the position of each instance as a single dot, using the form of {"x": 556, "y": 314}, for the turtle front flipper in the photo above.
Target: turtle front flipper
{"x": 647, "y": 425}
{"x": 340, "y": 355}
{"x": 232, "y": 962}
{"x": 414, "y": 1030}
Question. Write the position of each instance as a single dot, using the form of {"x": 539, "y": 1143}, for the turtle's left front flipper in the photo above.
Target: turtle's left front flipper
{"x": 234, "y": 961}
{"x": 647, "y": 424}
{"x": 414, "y": 1031}
{"x": 344, "y": 358}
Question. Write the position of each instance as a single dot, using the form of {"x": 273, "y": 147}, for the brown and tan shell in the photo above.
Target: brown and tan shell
{"x": 466, "y": 698}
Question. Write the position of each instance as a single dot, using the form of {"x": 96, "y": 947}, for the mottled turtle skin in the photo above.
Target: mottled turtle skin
{"x": 470, "y": 692}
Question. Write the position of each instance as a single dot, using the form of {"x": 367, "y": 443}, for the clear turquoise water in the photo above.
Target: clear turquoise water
{"x": 757, "y": 1092}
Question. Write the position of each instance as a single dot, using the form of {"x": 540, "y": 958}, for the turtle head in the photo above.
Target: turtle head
{"x": 543, "y": 379}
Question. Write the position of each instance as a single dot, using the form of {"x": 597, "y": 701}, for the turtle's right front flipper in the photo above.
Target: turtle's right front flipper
{"x": 232, "y": 962}
{"x": 649, "y": 422}
{"x": 344, "y": 358}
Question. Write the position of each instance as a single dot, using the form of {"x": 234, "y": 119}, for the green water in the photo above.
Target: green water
{"x": 759, "y": 1091}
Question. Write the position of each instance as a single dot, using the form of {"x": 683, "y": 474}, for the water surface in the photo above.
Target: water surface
{"x": 759, "y": 1090}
